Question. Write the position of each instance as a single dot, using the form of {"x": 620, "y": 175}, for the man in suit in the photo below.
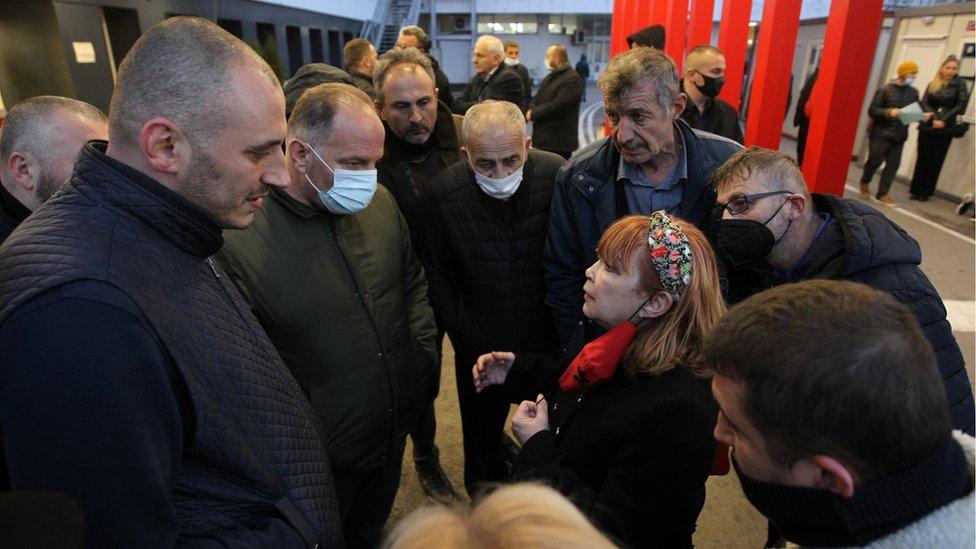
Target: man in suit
{"x": 555, "y": 109}
{"x": 493, "y": 79}
{"x": 513, "y": 62}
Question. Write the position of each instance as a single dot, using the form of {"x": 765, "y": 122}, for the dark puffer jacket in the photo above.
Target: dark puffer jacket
{"x": 891, "y": 96}
{"x": 587, "y": 200}
{"x": 861, "y": 245}
{"x": 487, "y": 285}
{"x": 946, "y": 104}
{"x": 252, "y": 460}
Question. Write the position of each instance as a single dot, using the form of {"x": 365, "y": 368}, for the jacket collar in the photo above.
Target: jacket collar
{"x": 121, "y": 186}
{"x": 282, "y": 197}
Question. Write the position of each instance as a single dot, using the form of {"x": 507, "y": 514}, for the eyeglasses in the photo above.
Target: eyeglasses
{"x": 741, "y": 204}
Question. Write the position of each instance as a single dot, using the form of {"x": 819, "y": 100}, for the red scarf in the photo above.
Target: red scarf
{"x": 599, "y": 358}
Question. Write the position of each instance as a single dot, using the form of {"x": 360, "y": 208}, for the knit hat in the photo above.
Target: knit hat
{"x": 906, "y": 68}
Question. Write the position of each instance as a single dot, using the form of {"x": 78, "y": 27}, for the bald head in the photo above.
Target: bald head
{"x": 182, "y": 70}
{"x": 39, "y": 141}
{"x": 556, "y": 56}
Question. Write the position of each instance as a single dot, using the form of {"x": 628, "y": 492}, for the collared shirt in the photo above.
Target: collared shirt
{"x": 487, "y": 75}
{"x": 790, "y": 275}
{"x": 642, "y": 196}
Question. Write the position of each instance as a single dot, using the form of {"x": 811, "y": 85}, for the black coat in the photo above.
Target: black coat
{"x": 443, "y": 84}
{"x": 364, "y": 83}
{"x": 890, "y": 96}
{"x": 486, "y": 284}
{"x": 719, "y": 118}
{"x": 12, "y": 213}
{"x": 799, "y": 116}
{"x": 555, "y": 111}
{"x": 633, "y": 453}
{"x": 586, "y": 202}
{"x": 862, "y": 245}
{"x": 504, "y": 85}
{"x": 947, "y": 103}
{"x": 523, "y": 73}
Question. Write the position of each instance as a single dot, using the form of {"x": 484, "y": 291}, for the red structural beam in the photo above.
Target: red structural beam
{"x": 618, "y": 27}
{"x": 849, "y": 44}
{"x": 676, "y": 28}
{"x": 733, "y": 32}
{"x": 771, "y": 79}
{"x": 659, "y": 13}
{"x": 700, "y": 27}
{"x": 643, "y": 14}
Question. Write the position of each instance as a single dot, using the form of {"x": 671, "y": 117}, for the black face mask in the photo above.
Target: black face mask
{"x": 712, "y": 85}
{"x": 744, "y": 242}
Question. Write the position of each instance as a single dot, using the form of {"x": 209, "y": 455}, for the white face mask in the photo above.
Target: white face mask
{"x": 511, "y": 62}
{"x": 548, "y": 65}
{"x": 351, "y": 192}
{"x": 909, "y": 81}
{"x": 503, "y": 188}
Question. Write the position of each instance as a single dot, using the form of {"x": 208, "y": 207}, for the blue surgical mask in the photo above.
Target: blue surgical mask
{"x": 351, "y": 192}
{"x": 909, "y": 81}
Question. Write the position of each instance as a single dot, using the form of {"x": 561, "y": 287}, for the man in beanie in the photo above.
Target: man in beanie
{"x": 888, "y": 134}
{"x": 651, "y": 37}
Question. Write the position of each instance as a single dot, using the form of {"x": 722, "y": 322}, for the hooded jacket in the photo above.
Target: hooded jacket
{"x": 587, "y": 200}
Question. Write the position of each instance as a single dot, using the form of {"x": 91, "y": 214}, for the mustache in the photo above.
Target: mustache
{"x": 418, "y": 127}
{"x": 261, "y": 193}
{"x": 633, "y": 144}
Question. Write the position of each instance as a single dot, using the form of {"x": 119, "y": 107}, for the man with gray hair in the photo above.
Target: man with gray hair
{"x": 163, "y": 408}
{"x": 412, "y": 36}
{"x": 490, "y": 212}
{"x": 330, "y": 273}
{"x": 493, "y": 79}
{"x": 651, "y": 161}
{"x": 772, "y": 231}
{"x": 421, "y": 140}
{"x": 39, "y": 141}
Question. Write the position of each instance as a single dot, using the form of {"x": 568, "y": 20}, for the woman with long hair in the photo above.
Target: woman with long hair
{"x": 626, "y": 430}
{"x": 945, "y": 97}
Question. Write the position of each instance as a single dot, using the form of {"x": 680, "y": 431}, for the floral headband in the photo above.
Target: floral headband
{"x": 670, "y": 253}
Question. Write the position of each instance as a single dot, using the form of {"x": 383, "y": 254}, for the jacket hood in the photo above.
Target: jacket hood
{"x": 859, "y": 238}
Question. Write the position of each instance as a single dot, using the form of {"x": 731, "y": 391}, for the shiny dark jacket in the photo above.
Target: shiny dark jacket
{"x": 947, "y": 103}
{"x": 253, "y": 457}
{"x": 487, "y": 287}
{"x": 890, "y": 96}
{"x": 555, "y": 111}
{"x": 586, "y": 202}
{"x": 719, "y": 118}
{"x": 504, "y": 85}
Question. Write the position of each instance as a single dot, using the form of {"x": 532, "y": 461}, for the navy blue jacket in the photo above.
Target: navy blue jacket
{"x": 587, "y": 200}
{"x": 135, "y": 379}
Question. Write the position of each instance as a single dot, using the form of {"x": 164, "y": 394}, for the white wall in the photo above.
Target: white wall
{"x": 360, "y": 9}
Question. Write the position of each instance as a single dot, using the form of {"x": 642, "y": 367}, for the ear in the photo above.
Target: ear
{"x": 528, "y": 144}
{"x": 24, "y": 170}
{"x": 798, "y": 205}
{"x": 437, "y": 92}
{"x": 834, "y": 476}
{"x": 380, "y": 110}
{"x": 690, "y": 74}
{"x": 680, "y": 101}
{"x": 164, "y": 146}
{"x": 298, "y": 154}
{"x": 659, "y": 304}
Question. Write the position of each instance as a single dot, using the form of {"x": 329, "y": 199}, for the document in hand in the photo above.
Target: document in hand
{"x": 911, "y": 113}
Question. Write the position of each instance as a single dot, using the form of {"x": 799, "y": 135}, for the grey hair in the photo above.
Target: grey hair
{"x": 32, "y": 122}
{"x": 640, "y": 65}
{"x": 497, "y": 116}
{"x": 494, "y": 44}
{"x": 311, "y": 119}
{"x": 772, "y": 169}
{"x": 417, "y": 32}
{"x": 400, "y": 56}
{"x": 180, "y": 69}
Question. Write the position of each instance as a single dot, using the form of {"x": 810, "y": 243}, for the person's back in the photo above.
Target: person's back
{"x": 554, "y": 111}
{"x": 841, "y": 439}
{"x": 161, "y": 377}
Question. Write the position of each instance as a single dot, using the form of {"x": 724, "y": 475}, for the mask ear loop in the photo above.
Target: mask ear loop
{"x": 639, "y": 320}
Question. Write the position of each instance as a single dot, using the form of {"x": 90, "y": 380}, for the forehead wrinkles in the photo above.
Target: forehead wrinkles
{"x": 493, "y": 145}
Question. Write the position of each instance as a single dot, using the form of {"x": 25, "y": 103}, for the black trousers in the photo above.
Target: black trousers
{"x": 887, "y": 152}
{"x": 424, "y": 432}
{"x": 932, "y": 149}
{"x": 482, "y": 423}
{"x": 365, "y": 501}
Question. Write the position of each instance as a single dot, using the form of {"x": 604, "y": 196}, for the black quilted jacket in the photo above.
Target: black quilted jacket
{"x": 890, "y": 96}
{"x": 255, "y": 453}
{"x": 486, "y": 280}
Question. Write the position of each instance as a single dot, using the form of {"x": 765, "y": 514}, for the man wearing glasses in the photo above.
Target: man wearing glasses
{"x": 773, "y": 231}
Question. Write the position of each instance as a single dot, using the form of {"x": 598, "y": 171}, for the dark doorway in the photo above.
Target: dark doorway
{"x": 233, "y": 26}
{"x": 346, "y": 36}
{"x": 265, "y": 30}
{"x": 295, "y": 57}
{"x": 335, "y": 49}
{"x": 315, "y": 41}
{"x": 122, "y": 26}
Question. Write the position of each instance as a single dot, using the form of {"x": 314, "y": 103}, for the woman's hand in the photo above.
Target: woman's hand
{"x": 491, "y": 369}
{"x": 937, "y": 124}
{"x": 530, "y": 418}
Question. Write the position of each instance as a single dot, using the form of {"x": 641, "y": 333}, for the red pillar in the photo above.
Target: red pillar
{"x": 771, "y": 79}
{"x": 675, "y": 29}
{"x": 733, "y": 32}
{"x": 618, "y": 27}
{"x": 849, "y": 44}
{"x": 659, "y": 14}
{"x": 643, "y": 14}
{"x": 700, "y": 28}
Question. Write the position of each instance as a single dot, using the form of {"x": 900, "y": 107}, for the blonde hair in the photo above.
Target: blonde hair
{"x": 514, "y": 516}
{"x": 674, "y": 339}
{"x": 938, "y": 83}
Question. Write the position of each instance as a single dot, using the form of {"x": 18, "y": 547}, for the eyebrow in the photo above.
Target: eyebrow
{"x": 269, "y": 144}
{"x": 351, "y": 159}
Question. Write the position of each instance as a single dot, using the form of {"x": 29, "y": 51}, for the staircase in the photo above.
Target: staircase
{"x": 389, "y": 17}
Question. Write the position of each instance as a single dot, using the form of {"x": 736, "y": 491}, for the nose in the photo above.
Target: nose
{"x": 275, "y": 173}
{"x": 721, "y": 431}
{"x": 591, "y": 271}
{"x": 415, "y": 114}
{"x": 623, "y": 130}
